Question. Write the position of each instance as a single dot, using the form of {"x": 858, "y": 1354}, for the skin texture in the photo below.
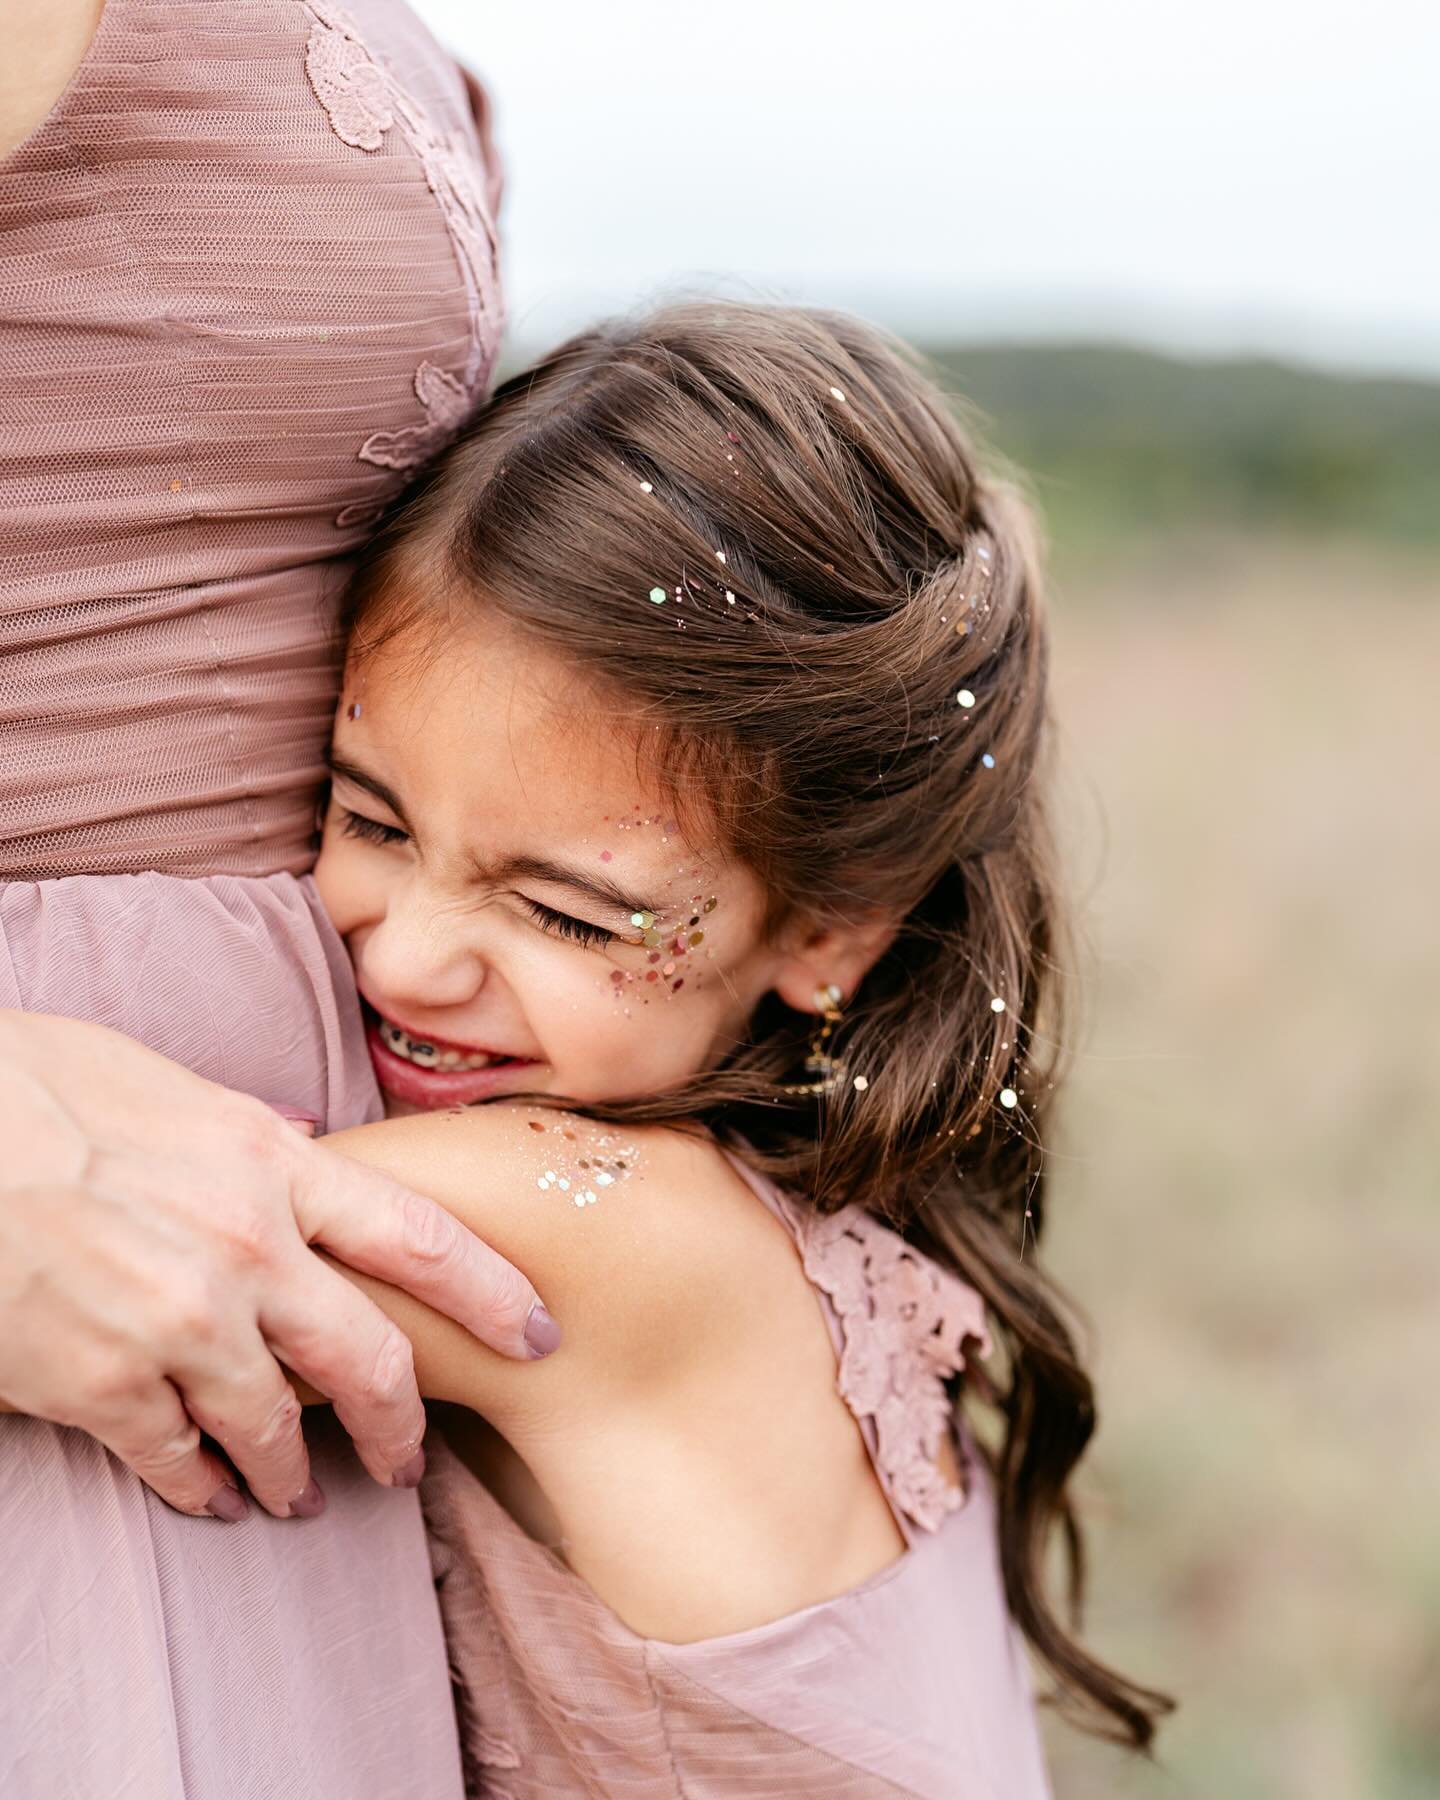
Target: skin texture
{"x": 686, "y": 1447}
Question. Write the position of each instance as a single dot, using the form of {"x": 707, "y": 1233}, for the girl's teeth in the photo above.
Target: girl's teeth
{"x": 427, "y": 1056}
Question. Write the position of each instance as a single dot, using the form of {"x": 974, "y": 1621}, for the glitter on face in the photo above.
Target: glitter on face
{"x": 1008, "y": 1097}
{"x": 965, "y": 698}
{"x": 352, "y": 711}
{"x": 997, "y": 1005}
{"x": 988, "y": 760}
{"x": 657, "y": 594}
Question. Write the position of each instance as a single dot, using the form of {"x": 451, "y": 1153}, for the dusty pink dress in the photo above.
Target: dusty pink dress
{"x": 914, "y": 1683}
{"x": 247, "y": 282}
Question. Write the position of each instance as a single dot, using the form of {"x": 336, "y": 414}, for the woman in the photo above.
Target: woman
{"x": 247, "y": 284}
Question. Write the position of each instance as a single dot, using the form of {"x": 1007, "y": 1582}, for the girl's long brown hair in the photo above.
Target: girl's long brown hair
{"x": 768, "y": 532}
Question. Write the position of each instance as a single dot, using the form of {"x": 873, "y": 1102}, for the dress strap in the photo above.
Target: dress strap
{"x": 901, "y": 1326}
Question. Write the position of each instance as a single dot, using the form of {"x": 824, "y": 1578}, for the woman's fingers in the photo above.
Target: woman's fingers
{"x": 154, "y": 1236}
{"x": 335, "y": 1338}
{"x": 161, "y": 1442}
{"x": 254, "y": 1414}
{"x": 375, "y": 1225}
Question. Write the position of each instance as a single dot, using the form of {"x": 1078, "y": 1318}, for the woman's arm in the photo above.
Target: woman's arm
{"x": 157, "y": 1254}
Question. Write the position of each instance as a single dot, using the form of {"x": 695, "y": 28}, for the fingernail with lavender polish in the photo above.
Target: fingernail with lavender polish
{"x": 310, "y": 1504}
{"x": 542, "y": 1334}
{"x": 408, "y": 1474}
{"x": 227, "y": 1503}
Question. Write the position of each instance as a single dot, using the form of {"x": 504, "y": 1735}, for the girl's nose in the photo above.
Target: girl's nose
{"x": 419, "y": 955}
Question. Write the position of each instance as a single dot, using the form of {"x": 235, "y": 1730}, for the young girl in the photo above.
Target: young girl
{"x": 687, "y": 810}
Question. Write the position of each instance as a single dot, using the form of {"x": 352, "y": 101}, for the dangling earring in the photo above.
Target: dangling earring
{"x": 825, "y": 1072}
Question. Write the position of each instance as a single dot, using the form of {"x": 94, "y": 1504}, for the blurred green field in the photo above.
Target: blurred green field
{"x": 1246, "y": 1189}
{"x": 1245, "y": 1192}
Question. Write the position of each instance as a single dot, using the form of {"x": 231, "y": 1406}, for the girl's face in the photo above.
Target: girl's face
{"x": 521, "y": 909}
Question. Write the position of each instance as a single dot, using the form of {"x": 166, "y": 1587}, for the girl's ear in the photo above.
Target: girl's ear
{"x": 836, "y": 956}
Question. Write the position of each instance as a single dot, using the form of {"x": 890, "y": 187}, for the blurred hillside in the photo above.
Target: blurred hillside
{"x": 1119, "y": 443}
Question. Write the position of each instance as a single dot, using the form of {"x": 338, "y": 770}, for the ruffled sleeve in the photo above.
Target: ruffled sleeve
{"x": 908, "y": 1326}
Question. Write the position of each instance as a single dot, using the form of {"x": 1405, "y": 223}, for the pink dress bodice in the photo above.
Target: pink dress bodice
{"x": 247, "y": 285}
{"x": 914, "y": 1683}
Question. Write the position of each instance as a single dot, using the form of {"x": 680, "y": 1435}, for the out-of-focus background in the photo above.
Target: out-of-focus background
{"x": 1185, "y": 261}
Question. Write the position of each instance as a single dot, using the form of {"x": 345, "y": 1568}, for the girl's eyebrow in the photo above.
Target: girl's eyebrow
{"x": 372, "y": 784}
{"x": 539, "y": 868}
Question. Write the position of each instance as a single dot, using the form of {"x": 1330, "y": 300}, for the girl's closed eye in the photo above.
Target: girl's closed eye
{"x": 578, "y": 931}
{"x": 356, "y": 825}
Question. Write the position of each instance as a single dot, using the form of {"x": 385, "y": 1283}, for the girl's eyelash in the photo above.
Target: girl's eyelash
{"x": 356, "y": 825}
{"x": 579, "y": 931}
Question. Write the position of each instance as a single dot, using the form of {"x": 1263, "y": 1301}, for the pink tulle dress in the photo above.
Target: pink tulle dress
{"x": 914, "y": 1683}
{"x": 247, "y": 284}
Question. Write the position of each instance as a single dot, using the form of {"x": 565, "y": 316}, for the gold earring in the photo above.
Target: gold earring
{"x": 825, "y": 1071}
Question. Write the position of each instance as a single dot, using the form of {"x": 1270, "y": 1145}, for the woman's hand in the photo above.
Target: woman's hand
{"x": 156, "y": 1260}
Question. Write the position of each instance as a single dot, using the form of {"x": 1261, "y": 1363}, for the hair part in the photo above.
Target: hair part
{"x": 845, "y": 664}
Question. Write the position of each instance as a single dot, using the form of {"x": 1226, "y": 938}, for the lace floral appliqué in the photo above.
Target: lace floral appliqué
{"x": 906, "y": 1324}
{"x": 363, "y": 100}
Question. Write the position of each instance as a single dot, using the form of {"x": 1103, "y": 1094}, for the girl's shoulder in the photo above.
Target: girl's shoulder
{"x": 688, "y": 1442}
{"x": 647, "y": 1244}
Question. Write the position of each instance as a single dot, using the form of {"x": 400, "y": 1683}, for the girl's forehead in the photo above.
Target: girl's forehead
{"x": 498, "y": 741}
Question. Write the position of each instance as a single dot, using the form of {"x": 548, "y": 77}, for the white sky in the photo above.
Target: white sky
{"x": 1213, "y": 174}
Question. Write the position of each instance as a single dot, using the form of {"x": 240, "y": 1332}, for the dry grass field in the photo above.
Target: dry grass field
{"x": 1246, "y": 1198}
